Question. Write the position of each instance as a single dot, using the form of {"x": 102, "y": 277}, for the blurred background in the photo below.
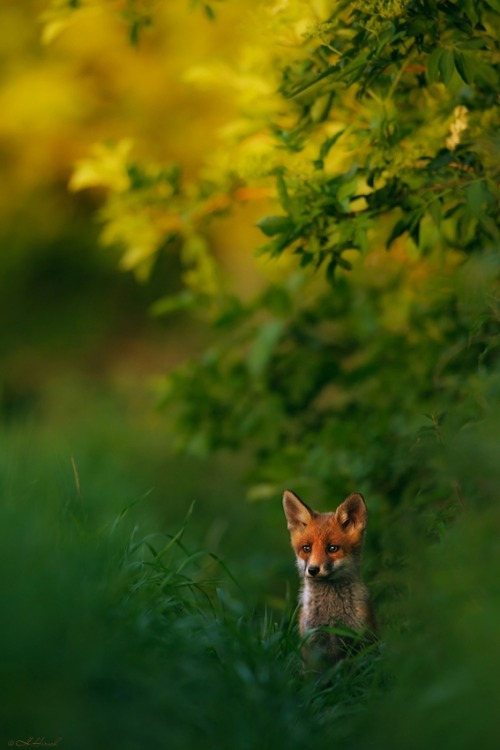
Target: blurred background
{"x": 115, "y": 418}
{"x": 79, "y": 348}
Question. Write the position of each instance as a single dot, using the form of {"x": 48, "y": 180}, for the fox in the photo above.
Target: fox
{"x": 328, "y": 549}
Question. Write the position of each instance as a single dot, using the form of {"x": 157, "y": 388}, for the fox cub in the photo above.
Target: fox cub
{"x": 328, "y": 549}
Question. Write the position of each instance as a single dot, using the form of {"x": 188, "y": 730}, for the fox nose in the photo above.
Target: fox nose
{"x": 313, "y": 570}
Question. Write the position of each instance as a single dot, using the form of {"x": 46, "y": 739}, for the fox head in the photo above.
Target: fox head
{"x": 327, "y": 545}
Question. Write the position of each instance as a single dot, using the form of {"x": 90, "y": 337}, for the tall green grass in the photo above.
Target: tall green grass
{"x": 119, "y": 630}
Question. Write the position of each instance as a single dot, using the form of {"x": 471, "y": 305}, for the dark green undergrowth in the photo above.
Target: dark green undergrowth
{"x": 115, "y": 635}
{"x": 119, "y": 630}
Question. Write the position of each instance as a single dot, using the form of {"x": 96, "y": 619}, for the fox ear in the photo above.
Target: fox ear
{"x": 297, "y": 513}
{"x": 351, "y": 514}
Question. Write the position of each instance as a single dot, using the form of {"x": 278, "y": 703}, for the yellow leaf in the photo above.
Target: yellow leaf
{"x": 53, "y": 29}
{"x": 107, "y": 167}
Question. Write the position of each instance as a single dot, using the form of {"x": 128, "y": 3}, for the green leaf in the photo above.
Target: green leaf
{"x": 487, "y": 75}
{"x": 321, "y": 108}
{"x": 471, "y": 11}
{"x": 476, "y": 196}
{"x": 325, "y": 148}
{"x": 490, "y": 226}
{"x": 277, "y": 300}
{"x": 361, "y": 239}
{"x": 343, "y": 263}
{"x": 309, "y": 83}
{"x": 283, "y": 191}
{"x": 174, "y": 303}
{"x": 386, "y": 37}
{"x": 446, "y": 66}
{"x": 263, "y": 346}
{"x": 461, "y": 66}
{"x": 442, "y": 159}
{"x": 353, "y": 70}
{"x": 409, "y": 223}
{"x": 209, "y": 12}
{"x": 233, "y": 313}
{"x": 347, "y": 187}
{"x": 272, "y": 225}
{"x": 472, "y": 44}
{"x": 433, "y": 64}
{"x": 414, "y": 229}
{"x": 435, "y": 211}
{"x": 330, "y": 270}
{"x": 401, "y": 226}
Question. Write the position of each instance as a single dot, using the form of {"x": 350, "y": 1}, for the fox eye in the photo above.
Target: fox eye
{"x": 333, "y": 548}
{"x": 306, "y": 548}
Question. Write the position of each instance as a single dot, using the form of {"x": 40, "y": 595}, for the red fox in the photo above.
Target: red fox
{"x": 328, "y": 548}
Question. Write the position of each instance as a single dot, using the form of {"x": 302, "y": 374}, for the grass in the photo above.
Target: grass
{"x": 121, "y": 628}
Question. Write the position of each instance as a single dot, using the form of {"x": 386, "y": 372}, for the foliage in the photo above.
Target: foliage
{"x": 62, "y": 304}
{"x": 117, "y": 630}
{"x": 394, "y": 112}
{"x": 382, "y": 135}
{"x": 121, "y": 634}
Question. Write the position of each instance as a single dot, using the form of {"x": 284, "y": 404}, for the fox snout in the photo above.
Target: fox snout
{"x": 318, "y": 571}
{"x": 315, "y": 568}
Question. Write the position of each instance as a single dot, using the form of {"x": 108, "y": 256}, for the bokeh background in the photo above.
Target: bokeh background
{"x": 80, "y": 350}
{"x": 148, "y": 589}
